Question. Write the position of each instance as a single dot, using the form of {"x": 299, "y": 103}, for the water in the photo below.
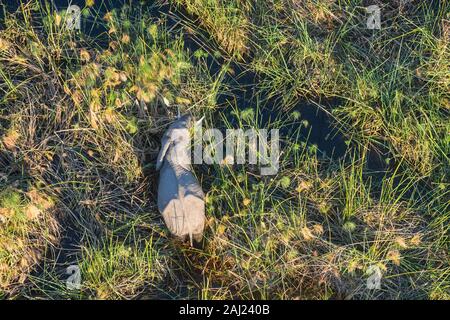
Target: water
{"x": 320, "y": 132}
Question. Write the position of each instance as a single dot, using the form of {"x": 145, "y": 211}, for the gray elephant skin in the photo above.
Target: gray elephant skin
{"x": 180, "y": 196}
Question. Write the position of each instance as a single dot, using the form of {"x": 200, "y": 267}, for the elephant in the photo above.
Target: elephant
{"x": 180, "y": 195}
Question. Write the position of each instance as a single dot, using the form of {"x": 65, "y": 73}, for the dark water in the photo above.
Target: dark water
{"x": 320, "y": 132}
{"x": 243, "y": 94}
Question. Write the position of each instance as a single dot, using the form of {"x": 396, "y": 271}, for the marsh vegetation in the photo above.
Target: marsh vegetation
{"x": 364, "y": 166}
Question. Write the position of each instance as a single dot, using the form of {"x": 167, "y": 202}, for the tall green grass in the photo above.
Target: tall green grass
{"x": 81, "y": 117}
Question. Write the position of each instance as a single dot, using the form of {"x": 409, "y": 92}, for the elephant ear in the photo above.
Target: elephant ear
{"x": 165, "y": 143}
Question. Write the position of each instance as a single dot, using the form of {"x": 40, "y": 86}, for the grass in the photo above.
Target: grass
{"x": 82, "y": 113}
{"x": 29, "y": 232}
{"x": 225, "y": 21}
